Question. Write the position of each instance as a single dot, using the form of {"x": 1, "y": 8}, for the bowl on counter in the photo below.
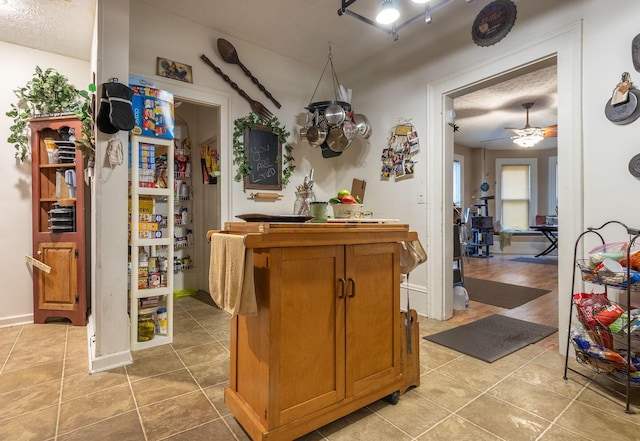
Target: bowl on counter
{"x": 345, "y": 211}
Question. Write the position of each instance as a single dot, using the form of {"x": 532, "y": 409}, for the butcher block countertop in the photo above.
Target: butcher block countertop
{"x": 267, "y": 235}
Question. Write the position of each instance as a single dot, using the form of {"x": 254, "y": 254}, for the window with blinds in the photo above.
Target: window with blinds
{"x": 516, "y": 196}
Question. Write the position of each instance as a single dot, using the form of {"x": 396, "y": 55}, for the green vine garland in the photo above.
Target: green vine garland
{"x": 240, "y": 154}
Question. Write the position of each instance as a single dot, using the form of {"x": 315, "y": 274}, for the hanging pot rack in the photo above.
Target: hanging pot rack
{"x": 331, "y": 116}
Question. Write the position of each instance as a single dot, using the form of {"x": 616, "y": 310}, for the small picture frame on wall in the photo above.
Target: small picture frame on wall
{"x": 174, "y": 70}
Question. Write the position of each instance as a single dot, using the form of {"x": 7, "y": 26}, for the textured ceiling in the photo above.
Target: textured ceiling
{"x": 65, "y": 27}
{"x": 483, "y": 115}
{"x": 62, "y": 27}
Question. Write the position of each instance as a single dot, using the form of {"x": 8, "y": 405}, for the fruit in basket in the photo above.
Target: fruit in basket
{"x": 334, "y": 201}
{"x": 343, "y": 193}
{"x": 348, "y": 199}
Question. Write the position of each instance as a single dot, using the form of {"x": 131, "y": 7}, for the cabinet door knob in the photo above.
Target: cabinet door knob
{"x": 39, "y": 252}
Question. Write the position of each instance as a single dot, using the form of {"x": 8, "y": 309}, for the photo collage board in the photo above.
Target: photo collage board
{"x": 398, "y": 155}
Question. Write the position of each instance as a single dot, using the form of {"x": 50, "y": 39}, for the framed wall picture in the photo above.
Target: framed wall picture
{"x": 174, "y": 70}
{"x": 264, "y": 155}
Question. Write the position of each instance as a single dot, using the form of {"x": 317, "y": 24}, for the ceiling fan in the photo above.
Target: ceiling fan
{"x": 529, "y": 136}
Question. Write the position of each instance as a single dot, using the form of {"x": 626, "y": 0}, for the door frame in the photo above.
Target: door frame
{"x": 566, "y": 45}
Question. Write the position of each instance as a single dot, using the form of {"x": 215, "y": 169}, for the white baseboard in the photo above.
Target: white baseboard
{"x": 16, "y": 320}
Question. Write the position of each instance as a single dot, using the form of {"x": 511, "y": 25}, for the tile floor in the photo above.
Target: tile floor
{"x": 175, "y": 392}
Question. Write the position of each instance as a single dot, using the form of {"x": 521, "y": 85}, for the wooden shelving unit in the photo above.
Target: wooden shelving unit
{"x": 58, "y": 226}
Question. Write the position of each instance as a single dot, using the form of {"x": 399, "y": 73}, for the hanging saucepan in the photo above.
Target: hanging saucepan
{"x": 626, "y": 112}
{"x": 350, "y": 129}
{"x": 307, "y": 124}
{"x": 363, "y": 125}
{"x": 316, "y": 136}
{"x": 335, "y": 115}
{"x": 336, "y": 140}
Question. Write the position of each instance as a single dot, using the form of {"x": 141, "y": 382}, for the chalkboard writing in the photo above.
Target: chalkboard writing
{"x": 264, "y": 153}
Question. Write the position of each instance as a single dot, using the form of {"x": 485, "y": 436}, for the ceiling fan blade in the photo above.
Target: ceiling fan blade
{"x": 551, "y": 131}
{"x": 513, "y": 129}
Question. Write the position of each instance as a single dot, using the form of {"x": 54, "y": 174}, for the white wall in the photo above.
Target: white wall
{"x": 400, "y": 79}
{"x": 290, "y": 82}
{"x": 16, "y": 297}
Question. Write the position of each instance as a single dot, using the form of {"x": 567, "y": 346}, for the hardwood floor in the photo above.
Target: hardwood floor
{"x": 502, "y": 268}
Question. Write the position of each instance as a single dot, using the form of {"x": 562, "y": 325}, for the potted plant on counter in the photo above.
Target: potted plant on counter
{"x": 49, "y": 93}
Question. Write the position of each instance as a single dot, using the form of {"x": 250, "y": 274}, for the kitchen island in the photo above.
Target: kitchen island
{"x": 326, "y": 338}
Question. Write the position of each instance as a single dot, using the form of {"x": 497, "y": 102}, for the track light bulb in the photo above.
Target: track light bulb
{"x": 388, "y": 13}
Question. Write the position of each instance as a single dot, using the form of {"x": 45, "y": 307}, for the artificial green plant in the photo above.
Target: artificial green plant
{"x": 49, "y": 92}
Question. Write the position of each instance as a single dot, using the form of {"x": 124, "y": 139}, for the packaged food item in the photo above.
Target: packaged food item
{"x": 608, "y": 314}
{"x": 586, "y": 303}
{"x": 614, "y": 250}
{"x": 634, "y": 261}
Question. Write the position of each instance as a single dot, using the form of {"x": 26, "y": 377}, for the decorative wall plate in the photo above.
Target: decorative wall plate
{"x": 493, "y": 22}
{"x": 634, "y": 166}
{"x": 635, "y": 52}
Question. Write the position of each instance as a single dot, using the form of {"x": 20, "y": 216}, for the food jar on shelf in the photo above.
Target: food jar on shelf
{"x": 146, "y": 324}
{"x": 162, "y": 320}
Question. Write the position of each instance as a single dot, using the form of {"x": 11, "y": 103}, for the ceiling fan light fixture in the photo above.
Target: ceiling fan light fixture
{"x": 388, "y": 13}
{"x": 530, "y": 139}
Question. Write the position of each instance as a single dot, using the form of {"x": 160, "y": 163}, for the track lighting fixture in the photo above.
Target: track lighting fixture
{"x": 388, "y": 14}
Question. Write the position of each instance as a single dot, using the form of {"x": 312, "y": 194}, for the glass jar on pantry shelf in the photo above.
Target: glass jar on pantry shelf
{"x": 146, "y": 324}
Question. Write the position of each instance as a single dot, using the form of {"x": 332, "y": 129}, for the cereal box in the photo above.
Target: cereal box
{"x": 152, "y": 109}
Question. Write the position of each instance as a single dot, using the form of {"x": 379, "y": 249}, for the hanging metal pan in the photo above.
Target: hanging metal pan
{"x": 328, "y": 153}
{"x": 335, "y": 115}
{"x": 316, "y": 136}
{"x": 363, "y": 125}
{"x": 336, "y": 140}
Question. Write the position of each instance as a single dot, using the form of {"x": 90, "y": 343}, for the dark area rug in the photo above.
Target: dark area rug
{"x": 503, "y": 295}
{"x": 491, "y": 338}
{"x": 542, "y": 260}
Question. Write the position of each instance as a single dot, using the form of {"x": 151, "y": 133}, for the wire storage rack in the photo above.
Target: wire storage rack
{"x": 610, "y": 343}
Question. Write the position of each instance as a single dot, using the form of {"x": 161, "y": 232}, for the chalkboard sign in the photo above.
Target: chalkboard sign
{"x": 264, "y": 153}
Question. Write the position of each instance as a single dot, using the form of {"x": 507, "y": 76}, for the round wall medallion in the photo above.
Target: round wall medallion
{"x": 493, "y": 22}
{"x": 634, "y": 166}
{"x": 484, "y": 186}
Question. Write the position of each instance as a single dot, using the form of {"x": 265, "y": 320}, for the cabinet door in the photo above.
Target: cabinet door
{"x": 310, "y": 342}
{"x": 58, "y": 289}
{"x": 373, "y": 314}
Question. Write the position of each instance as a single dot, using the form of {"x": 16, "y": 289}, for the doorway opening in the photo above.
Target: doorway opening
{"x": 565, "y": 46}
{"x": 506, "y": 202}
{"x": 198, "y": 195}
